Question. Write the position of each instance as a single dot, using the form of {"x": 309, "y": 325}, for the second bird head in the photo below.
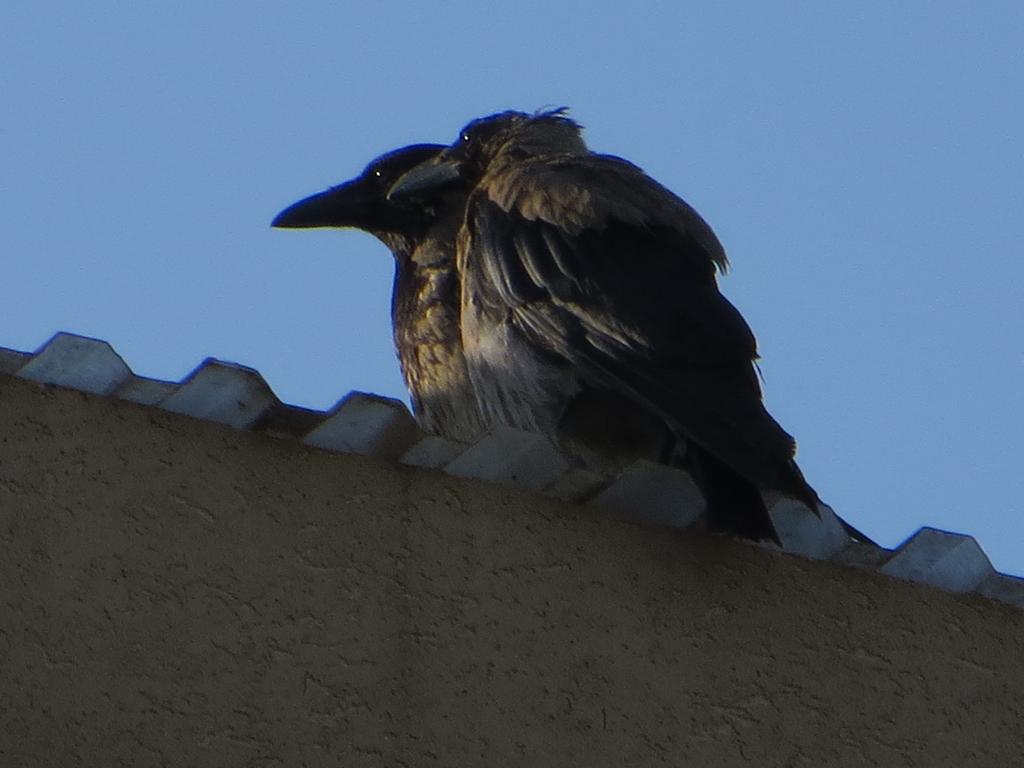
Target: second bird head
{"x": 485, "y": 142}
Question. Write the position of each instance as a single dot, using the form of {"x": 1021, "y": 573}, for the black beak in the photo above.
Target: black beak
{"x": 426, "y": 177}
{"x": 342, "y": 206}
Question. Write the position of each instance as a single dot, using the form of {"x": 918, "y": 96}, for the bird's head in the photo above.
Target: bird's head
{"x": 517, "y": 135}
{"x": 363, "y": 202}
{"x": 508, "y": 136}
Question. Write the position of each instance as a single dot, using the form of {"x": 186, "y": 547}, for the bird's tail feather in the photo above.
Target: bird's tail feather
{"x": 735, "y": 505}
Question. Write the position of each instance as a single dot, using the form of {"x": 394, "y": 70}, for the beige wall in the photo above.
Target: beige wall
{"x": 179, "y": 593}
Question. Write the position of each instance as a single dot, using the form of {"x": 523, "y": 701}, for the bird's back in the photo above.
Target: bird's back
{"x": 590, "y": 301}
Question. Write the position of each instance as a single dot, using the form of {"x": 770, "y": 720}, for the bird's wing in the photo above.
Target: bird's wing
{"x": 599, "y": 264}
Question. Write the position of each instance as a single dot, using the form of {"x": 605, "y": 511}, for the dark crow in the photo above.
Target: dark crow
{"x": 420, "y": 231}
{"x": 591, "y": 312}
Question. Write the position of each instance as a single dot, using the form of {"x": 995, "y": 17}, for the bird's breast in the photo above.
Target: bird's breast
{"x": 516, "y": 383}
{"x": 429, "y": 347}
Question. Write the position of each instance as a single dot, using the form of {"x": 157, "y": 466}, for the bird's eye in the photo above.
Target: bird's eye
{"x": 377, "y": 172}
{"x": 466, "y": 138}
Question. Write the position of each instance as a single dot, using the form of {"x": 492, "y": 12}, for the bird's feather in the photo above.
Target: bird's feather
{"x": 626, "y": 294}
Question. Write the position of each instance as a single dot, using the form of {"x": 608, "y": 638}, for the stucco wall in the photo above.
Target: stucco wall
{"x": 179, "y": 593}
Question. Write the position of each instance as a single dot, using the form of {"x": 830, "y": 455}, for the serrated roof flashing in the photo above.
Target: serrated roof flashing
{"x": 647, "y": 493}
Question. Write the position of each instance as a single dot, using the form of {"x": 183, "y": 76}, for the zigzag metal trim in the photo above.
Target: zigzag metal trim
{"x": 647, "y": 493}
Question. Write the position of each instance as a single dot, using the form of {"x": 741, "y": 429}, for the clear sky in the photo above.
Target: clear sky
{"x": 863, "y": 163}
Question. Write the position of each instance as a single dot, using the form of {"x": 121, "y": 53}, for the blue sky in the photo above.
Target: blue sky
{"x": 862, "y": 163}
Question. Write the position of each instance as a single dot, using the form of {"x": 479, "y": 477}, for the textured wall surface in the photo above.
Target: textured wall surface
{"x": 180, "y": 593}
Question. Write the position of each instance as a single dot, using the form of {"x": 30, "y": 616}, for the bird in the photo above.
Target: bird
{"x": 420, "y": 232}
{"x": 591, "y": 312}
